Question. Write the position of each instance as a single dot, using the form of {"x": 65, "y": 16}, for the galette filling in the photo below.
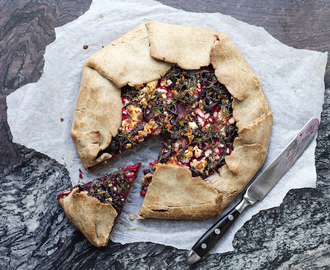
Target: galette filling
{"x": 112, "y": 188}
{"x": 192, "y": 110}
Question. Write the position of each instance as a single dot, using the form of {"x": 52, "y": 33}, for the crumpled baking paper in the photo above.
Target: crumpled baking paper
{"x": 40, "y": 114}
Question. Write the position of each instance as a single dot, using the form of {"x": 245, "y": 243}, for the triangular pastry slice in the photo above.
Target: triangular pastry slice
{"x": 94, "y": 207}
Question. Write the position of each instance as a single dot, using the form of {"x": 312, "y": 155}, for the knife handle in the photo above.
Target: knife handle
{"x": 214, "y": 234}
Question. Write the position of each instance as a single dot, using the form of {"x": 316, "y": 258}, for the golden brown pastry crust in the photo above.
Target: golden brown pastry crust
{"x": 127, "y": 60}
{"x": 188, "y": 47}
{"x": 97, "y": 116}
{"x": 175, "y": 194}
{"x": 143, "y": 55}
{"x": 93, "y": 218}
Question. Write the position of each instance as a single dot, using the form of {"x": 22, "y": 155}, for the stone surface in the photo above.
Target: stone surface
{"x": 36, "y": 234}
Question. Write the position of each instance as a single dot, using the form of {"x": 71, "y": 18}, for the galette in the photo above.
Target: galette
{"x": 193, "y": 88}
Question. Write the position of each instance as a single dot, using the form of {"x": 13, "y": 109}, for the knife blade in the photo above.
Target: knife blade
{"x": 257, "y": 190}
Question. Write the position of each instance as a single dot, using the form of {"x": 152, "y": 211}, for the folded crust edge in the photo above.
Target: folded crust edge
{"x": 93, "y": 218}
{"x": 181, "y": 196}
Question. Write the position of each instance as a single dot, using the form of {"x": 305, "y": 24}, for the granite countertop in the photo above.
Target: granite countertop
{"x": 36, "y": 234}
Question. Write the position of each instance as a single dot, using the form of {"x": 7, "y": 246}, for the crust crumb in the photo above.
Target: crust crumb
{"x": 131, "y": 217}
{"x": 132, "y": 228}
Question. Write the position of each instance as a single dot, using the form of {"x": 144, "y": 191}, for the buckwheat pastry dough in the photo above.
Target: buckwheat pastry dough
{"x": 180, "y": 195}
{"x": 145, "y": 54}
{"x": 93, "y": 218}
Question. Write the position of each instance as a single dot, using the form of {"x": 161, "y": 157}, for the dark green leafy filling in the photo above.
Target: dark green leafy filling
{"x": 192, "y": 110}
{"x": 112, "y": 188}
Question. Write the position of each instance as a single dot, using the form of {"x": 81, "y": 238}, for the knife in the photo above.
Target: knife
{"x": 258, "y": 189}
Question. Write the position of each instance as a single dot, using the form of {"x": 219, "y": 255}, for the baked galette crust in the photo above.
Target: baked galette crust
{"x": 174, "y": 193}
{"x": 93, "y": 218}
{"x": 145, "y": 54}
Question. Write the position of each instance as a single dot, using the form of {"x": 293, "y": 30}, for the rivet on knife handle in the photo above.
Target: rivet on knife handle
{"x": 258, "y": 189}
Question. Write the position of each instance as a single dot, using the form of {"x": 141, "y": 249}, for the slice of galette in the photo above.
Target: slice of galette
{"x": 94, "y": 207}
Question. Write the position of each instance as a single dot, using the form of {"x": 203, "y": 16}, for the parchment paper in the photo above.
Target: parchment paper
{"x": 40, "y": 114}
